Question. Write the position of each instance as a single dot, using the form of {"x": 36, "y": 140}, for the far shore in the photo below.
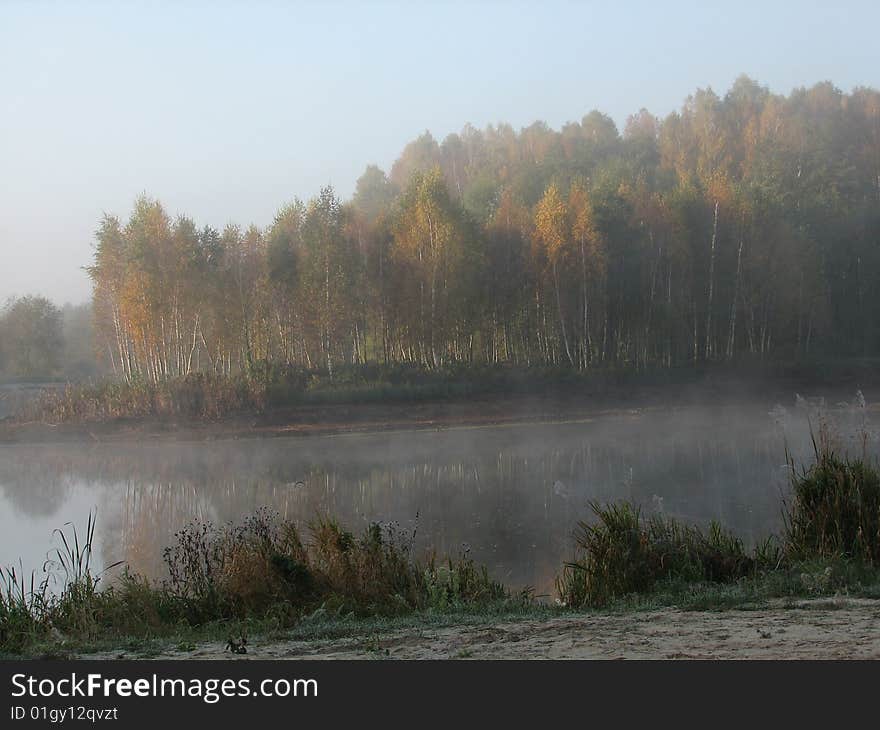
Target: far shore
{"x": 322, "y": 420}
{"x": 496, "y": 409}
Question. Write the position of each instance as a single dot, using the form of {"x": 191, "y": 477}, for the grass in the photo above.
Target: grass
{"x": 259, "y": 573}
{"x": 830, "y": 543}
{"x": 623, "y": 552}
{"x": 793, "y": 586}
{"x": 31, "y": 609}
{"x": 835, "y": 512}
{"x": 810, "y": 586}
{"x": 198, "y": 397}
{"x": 319, "y": 626}
{"x": 207, "y": 396}
{"x": 23, "y": 606}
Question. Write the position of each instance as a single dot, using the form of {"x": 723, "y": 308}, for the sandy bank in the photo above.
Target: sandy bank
{"x": 822, "y": 629}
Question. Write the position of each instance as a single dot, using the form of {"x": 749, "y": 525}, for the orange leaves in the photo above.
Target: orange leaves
{"x": 551, "y": 224}
{"x": 511, "y": 216}
{"x": 719, "y": 189}
{"x": 561, "y": 226}
{"x": 427, "y": 227}
{"x": 583, "y": 227}
{"x": 580, "y": 208}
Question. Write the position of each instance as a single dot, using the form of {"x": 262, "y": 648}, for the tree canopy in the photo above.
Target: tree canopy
{"x": 31, "y": 339}
{"x": 742, "y": 226}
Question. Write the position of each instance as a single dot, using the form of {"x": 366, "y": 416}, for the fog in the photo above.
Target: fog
{"x": 510, "y": 496}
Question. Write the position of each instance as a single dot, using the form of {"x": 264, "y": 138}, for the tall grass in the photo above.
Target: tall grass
{"x": 831, "y": 519}
{"x": 835, "y": 506}
{"x": 208, "y": 396}
{"x": 263, "y": 564}
{"x": 260, "y": 569}
{"x": 31, "y": 608}
{"x": 23, "y": 608}
{"x": 622, "y": 552}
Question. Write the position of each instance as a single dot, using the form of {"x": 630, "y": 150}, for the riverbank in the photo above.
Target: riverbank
{"x": 317, "y": 420}
{"x": 836, "y": 628}
{"x": 825, "y": 609}
{"x": 580, "y": 401}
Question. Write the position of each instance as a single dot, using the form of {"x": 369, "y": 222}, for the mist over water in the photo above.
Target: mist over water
{"x": 510, "y": 495}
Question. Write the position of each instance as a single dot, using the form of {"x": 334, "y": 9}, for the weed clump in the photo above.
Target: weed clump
{"x": 23, "y": 608}
{"x": 623, "y": 552}
{"x": 262, "y": 565}
{"x": 259, "y": 569}
{"x": 834, "y": 510}
{"x": 31, "y": 609}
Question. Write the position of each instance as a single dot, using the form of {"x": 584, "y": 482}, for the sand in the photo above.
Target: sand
{"x": 822, "y": 629}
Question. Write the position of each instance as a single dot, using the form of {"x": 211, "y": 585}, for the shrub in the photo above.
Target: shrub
{"x": 835, "y": 510}
{"x": 622, "y": 553}
{"x": 261, "y": 563}
{"x": 256, "y": 569}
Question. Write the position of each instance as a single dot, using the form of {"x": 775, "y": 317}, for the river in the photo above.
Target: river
{"x": 511, "y": 496}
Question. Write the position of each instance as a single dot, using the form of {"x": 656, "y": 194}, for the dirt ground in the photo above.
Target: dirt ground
{"x": 838, "y": 629}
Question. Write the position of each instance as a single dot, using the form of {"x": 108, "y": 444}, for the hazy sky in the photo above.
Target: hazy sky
{"x": 225, "y": 111}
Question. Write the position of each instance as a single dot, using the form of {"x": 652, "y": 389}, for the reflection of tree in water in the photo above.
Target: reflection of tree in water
{"x": 145, "y": 518}
{"x": 35, "y": 483}
{"x": 512, "y": 495}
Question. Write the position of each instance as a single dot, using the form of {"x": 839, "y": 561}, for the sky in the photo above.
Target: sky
{"x": 226, "y": 111}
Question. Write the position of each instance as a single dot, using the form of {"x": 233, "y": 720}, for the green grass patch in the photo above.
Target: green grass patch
{"x": 835, "y": 510}
{"x": 622, "y": 552}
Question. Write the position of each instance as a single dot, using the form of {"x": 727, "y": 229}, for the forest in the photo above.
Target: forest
{"x": 741, "y": 227}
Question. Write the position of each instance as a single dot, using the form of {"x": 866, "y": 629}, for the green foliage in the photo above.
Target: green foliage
{"x": 623, "y": 553}
{"x": 256, "y": 570}
{"x": 835, "y": 509}
{"x": 30, "y": 610}
{"x": 31, "y": 338}
{"x": 24, "y": 608}
{"x": 831, "y": 540}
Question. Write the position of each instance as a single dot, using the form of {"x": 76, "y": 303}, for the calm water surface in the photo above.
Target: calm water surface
{"x": 510, "y": 495}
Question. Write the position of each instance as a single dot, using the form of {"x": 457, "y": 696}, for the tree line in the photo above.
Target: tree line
{"x": 739, "y": 227}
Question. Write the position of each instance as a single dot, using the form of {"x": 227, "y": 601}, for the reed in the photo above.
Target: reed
{"x": 621, "y": 552}
{"x": 835, "y": 508}
{"x": 259, "y": 569}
